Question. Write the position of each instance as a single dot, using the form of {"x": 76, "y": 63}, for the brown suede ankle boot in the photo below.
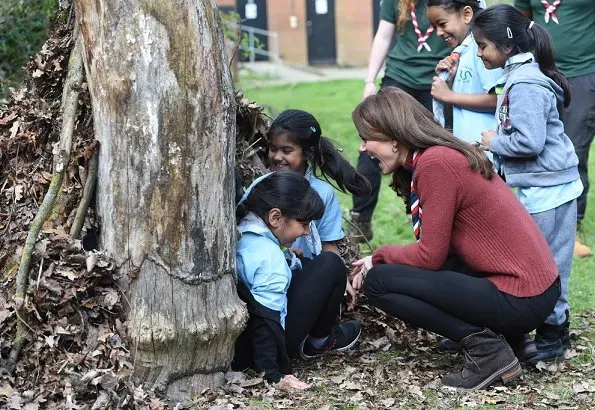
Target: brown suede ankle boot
{"x": 488, "y": 358}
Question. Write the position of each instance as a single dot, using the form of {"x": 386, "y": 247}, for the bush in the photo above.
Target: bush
{"x": 23, "y": 29}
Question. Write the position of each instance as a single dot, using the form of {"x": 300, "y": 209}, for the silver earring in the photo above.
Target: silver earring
{"x": 395, "y": 150}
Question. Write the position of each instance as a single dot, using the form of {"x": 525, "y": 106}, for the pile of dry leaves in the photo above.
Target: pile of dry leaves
{"x": 76, "y": 352}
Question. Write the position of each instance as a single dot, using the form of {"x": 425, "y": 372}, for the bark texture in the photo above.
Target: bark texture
{"x": 164, "y": 114}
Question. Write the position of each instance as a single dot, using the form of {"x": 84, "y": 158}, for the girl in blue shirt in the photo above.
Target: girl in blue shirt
{"x": 296, "y": 143}
{"x": 472, "y": 98}
{"x": 292, "y": 309}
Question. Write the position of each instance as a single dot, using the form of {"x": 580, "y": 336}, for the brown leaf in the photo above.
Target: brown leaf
{"x": 8, "y": 118}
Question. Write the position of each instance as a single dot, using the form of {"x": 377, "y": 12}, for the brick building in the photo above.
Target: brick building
{"x": 313, "y": 31}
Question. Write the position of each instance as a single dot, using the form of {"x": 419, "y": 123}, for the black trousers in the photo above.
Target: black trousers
{"x": 579, "y": 125}
{"x": 454, "y": 304}
{"x": 314, "y": 298}
{"x": 369, "y": 167}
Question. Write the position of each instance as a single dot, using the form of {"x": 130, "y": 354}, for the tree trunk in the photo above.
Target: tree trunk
{"x": 164, "y": 114}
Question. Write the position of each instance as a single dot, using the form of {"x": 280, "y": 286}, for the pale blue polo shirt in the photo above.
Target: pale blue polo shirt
{"x": 330, "y": 227}
{"x": 544, "y": 198}
{"x": 473, "y": 78}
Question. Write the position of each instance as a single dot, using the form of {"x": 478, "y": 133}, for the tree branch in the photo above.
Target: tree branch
{"x": 81, "y": 211}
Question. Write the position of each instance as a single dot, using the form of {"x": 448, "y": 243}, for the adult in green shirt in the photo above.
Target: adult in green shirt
{"x": 570, "y": 23}
{"x": 409, "y": 66}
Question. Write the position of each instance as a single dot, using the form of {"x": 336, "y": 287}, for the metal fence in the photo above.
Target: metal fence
{"x": 254, "y": 47}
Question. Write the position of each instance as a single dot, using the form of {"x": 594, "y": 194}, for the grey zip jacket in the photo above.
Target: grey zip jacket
{"x": 531, "y": 147}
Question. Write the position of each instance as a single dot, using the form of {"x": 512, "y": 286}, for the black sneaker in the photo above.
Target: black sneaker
{"x": 342, "y": 337}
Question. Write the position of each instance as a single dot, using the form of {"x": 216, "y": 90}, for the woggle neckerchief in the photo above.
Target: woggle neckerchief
{"x": 421, "y": 39}
{"x": 416, "y": 212}
{"x": 550, "y": 10}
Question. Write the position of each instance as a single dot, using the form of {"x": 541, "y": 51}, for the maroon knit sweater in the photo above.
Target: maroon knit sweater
{"x": 481, "y": 221}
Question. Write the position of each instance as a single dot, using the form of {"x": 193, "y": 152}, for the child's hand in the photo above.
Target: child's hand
{"x": 440, "y": 90}
{"x": 298, "y": 251}
{"x": 290, "y": 382}
{"x": 486, "y": 137}
{"x": 447, "y": 64}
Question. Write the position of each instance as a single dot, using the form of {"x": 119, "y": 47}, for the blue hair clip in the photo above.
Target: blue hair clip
{"x": 313, "y": 129}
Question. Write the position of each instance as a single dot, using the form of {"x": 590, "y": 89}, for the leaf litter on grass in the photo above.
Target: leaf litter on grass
{"x": 397, "y": 366}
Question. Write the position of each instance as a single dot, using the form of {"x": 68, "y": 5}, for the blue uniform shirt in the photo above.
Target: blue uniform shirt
{"x": 328, "y": 228}
{"x": 261, "y": 265}
{"x": 473, "y": 78}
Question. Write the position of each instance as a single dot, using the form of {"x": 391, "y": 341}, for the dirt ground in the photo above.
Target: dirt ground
{"x": 395, "y": 366}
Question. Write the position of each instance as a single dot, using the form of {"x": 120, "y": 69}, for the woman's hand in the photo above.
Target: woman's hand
{"x": 486, "y": 137}
{"x": 369, "y": 89}
{"x": 290, "y": 382}
{"x": 361, "y": 268}
{"x": 447, "y": 64}
{"x": 357, "y": 280}
{"x": 440, "y": 90}
{"x": 351, "y": 297}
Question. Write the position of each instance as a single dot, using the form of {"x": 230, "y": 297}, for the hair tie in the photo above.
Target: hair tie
{"x": 509, "y": 32}
{"x": 531, "y": 25}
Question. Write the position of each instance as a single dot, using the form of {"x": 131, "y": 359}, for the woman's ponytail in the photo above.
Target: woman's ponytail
{"x": 544, "y": 54}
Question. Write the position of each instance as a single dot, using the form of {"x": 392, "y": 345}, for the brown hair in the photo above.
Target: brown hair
{"x": 403, "y": 7}
{"x": 394, "y": 115}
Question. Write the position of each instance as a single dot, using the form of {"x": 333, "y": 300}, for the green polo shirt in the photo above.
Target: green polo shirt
{"x": 404, "y": 63}
{"x": 574, "y": 42}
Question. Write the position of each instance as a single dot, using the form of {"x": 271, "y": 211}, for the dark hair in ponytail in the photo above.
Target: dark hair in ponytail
{"x": 286, "y": 190}
{"x": 455, "y": 5}
{"x": 301, "y": 128}
{"x": 509, "y": 30}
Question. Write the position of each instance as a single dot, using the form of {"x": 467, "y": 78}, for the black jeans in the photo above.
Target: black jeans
{"x": 369, "y": 167}
{"x": 579, "y": 125}
{"x": 314, "y": 298}
{"x": 454, "y": 304}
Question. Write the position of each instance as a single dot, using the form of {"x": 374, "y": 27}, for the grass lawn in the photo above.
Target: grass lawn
{"x": 396, "y": 366}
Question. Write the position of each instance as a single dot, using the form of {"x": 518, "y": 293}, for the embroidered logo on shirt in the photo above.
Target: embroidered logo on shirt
{"x": 503, "y": 114}
{"x": 466, "y": 74}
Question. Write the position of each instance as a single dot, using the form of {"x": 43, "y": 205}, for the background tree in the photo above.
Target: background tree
{"x": 164, "y": 115}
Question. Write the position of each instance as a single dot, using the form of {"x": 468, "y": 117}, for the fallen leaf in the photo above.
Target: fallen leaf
{"x": 110, "y": 298}
{"x": 8, "y": 118}
{"x": 6, "y": 390}
{"x": 91, "y": 261}
{"x": 583, "y": 387}
{"x": 14, "y": 129}
{"x": 18, "y": 193}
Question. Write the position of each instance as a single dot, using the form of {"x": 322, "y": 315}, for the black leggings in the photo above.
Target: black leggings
{"x": 314, "y": 298}
{"x": 454, "y": 304}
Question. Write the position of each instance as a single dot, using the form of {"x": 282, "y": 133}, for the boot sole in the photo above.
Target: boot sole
{"x": 304, "y": 356}
{"x": 506, "y": 374}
